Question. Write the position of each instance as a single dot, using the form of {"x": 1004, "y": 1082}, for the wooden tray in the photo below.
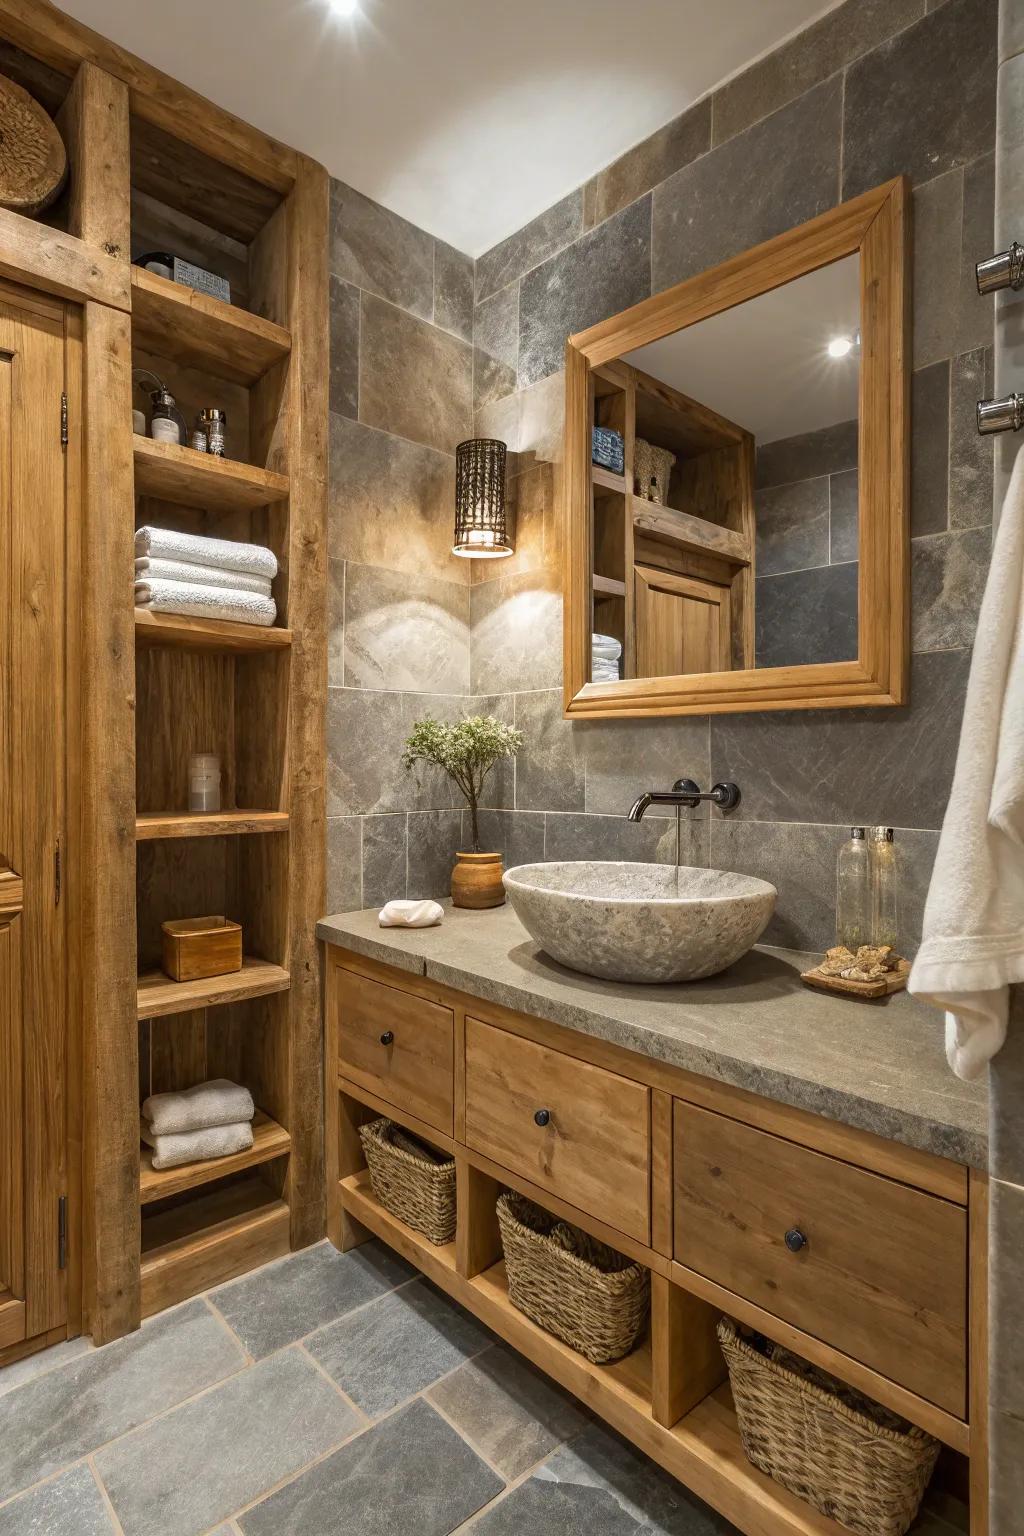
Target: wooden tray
{"x": 894, "y": 981}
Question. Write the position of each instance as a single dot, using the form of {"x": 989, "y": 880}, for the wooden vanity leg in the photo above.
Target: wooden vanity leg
{"x": 477, "y": 1240}
{"x": 343, "y": 1229}
{"x": 687, "y": 1361}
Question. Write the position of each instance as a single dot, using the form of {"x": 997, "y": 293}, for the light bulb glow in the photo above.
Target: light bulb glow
{"x": 840, "y": 346}
{"x": 346, "y": 8}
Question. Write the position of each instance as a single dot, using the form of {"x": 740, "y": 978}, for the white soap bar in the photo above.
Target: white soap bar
{"x": 410, "y": 914}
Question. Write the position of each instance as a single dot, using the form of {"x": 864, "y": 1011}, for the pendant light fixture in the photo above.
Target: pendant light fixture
{"x": 481, "y": 532}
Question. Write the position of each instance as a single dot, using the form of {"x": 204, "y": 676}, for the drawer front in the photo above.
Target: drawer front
{"x": 881, "y": 1275}
{"x": 594, "y": 1150}
{"x": 398, "y": 1046}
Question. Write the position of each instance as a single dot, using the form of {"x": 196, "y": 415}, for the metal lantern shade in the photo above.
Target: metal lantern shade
{"x": 481, "y": 532}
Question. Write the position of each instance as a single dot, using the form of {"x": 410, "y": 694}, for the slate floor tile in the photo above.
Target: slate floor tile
{"x": 398, "y": 1346}
{"x": 69, "y": 1505}
{"x": 44, "y": 1360}
{"x": 509, "y": 1410}
{"x": 63, "y": 1415}
{"x": 292, "y": 1297}
{"x": 545, "y": 1506}
{"x": 599, "y": 1459}
{"x": 183, "y": 1473}
{"x": 411, "y": 1475}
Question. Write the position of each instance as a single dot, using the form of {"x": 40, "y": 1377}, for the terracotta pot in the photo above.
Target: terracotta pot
{"x": 476, "y": 880}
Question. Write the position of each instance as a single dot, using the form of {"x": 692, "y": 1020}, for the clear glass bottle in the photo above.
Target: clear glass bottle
{"x": 884, "y": 887}
{"x": 853, "y": 892}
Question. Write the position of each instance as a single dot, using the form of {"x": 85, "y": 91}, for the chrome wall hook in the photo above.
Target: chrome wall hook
{"x": 1005, "y": 415}
{"x": 1005, "y": 270}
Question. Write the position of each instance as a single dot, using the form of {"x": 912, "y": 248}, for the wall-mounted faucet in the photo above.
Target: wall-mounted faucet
{"x": 685, "y": 792}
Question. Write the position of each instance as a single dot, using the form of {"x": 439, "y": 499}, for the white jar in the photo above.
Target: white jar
{"x": 204, "y": 782}
{"x": 163, "y": 430}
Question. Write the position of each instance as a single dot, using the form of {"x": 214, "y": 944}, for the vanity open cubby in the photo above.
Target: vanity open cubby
{"x": 687, "y": 1176}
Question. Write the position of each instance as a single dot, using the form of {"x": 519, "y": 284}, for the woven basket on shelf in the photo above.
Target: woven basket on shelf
{"x": 410, "y": 1179}
{"x": 852, "y": 1459}
{"x": 651, "y": 463}
{"x": 577, "y": 1288}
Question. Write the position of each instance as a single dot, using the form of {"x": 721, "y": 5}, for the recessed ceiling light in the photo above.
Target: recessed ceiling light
{"x": 840, "y": 346}
{"x": 344, "y": 7}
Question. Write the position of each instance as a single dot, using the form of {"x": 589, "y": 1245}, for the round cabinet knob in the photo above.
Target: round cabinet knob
{"x": 542, "y": 1117}
{"x": 795, "y": 1240}
{"x": 387, "y": 1038}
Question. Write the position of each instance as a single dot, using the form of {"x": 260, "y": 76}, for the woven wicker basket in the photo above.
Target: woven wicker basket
{"x": 852, "y": 1459}
{"x": 651, "y": 463}
{"x": 410, "y": 1179}
{"x": 570, "y": 1284}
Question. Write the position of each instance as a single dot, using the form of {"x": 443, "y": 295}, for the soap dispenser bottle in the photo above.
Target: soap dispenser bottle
{"x": 853, "y": 892}
{"x": 884, "y": 887}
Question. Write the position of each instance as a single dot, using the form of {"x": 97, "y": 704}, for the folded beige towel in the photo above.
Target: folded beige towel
{"x": 218, "y": 1102}
{"x": 197, "y": 1146}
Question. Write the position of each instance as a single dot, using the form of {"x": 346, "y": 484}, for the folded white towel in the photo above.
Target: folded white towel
{"x": 205, "y": 602}
{"x": 410, "y": 914}
{"x": 218, "y": 1102}
{"x": 973, "y": 942}
{"x": 197, "y": 1146}
{"x": 604, "y": 674}
{"x": 606, "y": 645}
{"x": 148, "y": 569}
{"x": 165, "y": 544}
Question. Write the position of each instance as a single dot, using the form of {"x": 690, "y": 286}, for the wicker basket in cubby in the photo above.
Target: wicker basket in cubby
{"x": 852, "y": 1459}
{"x": 575, "y": 1287}
{"x": 410, "y": 1179}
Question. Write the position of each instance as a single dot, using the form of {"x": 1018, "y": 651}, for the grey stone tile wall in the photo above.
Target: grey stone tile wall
{"x": 847, "y": 103}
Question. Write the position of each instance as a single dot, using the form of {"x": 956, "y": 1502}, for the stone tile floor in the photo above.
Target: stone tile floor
{"x": 324, "y": 1393}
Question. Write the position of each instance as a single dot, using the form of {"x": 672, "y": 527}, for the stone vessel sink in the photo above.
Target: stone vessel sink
{"x": 640, "y": 922}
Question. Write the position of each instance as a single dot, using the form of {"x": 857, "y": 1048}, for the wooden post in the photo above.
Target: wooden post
{"x": 687, "y": 1362}
{"x": 94, "y": 123}
{"x": 477, "y": 1239}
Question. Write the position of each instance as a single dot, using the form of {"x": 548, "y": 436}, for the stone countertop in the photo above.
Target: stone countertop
{"x": 878, "y": 1066}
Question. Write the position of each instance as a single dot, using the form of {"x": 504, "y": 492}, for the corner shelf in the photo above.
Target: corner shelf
{"x": 158, "y": 995}
{"x": 185, "y": 633}
{"x": 153, "y": 825}
{"x": 269, "y": 1140}
{"x": 202, "y": 332}
{"x": 192, "y": 479}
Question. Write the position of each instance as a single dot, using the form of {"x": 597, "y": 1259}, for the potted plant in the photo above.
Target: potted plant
{"x": 467, "y": 751}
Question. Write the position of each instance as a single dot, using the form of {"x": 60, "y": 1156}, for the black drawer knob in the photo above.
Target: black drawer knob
{"x": 795, "y": 1240}
{"x": 543, "y": 1116}
{"x": 387, "y": 1038}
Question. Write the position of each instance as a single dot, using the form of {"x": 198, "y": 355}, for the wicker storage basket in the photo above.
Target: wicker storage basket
{"x": 852, "y": 1459}
{"x": 570, "y": 1284}
{"x": 410, "y": 1179}
{"x": 651, "y": 463}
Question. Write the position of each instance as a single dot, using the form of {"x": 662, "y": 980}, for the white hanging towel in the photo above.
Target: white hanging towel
{"x": 973, "y": 943}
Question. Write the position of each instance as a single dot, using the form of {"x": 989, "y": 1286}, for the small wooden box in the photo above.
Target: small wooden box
{"x": 195, "y": 947}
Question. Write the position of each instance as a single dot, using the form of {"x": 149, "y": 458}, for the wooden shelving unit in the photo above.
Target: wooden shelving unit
{"x": 190, "y": 479}
{"x": 154, "y": 825}
{"x": 180, "y": 632}
{"x": 200, "y": 332}
{"x": 269, "y": 1140}
{"x": 219, "y": 1233}
{"x": 160, "y": 997}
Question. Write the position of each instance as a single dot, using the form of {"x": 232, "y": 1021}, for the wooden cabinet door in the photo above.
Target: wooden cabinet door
{"x": 683, "y": 624}
{"x": 32, "y": 809}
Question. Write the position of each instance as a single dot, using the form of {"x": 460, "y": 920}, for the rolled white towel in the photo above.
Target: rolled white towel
{"x": 197, "y": 1146}
{"x": 218, "y": 1102}
{"x": 148, "y": 569}
{"x": 197, "y": 549}
{"x": 205, "y": 602}
{"x": 606, "y": 645}
{"x": 410, "y": 914}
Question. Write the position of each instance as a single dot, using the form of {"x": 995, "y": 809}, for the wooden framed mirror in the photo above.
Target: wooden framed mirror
{"x": 737, "y": 524}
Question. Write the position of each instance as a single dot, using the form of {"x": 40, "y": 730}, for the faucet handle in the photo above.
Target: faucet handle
{"x": 687, "y": 787}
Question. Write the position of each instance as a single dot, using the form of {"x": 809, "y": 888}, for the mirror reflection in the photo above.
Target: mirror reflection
{"x": 724, "y": 478}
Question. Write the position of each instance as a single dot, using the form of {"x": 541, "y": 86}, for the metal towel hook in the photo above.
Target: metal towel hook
{"x": 1005, "y": 415}
{"x": 1004, "y": 270}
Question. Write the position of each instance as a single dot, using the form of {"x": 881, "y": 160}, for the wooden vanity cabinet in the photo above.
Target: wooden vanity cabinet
{"x": 865, "y": 1256}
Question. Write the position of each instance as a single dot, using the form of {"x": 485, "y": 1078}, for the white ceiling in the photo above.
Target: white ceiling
{"x": 765, "y": 364}
{"x": 469, "y": 117}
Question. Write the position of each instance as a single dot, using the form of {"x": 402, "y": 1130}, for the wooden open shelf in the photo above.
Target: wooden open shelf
{"x": 608, "y": 586}
{"x": 269, "y": 1140}
{"x": 607, "y": 481}
{"x": 185, "y": 633}
{"x": 201, "y": 332}
{"x": 668, "y": 526}
{"x": 703, "y": 1449}
{"x": 158, "y": 824}
{"x": 172, "y": 472}
{"x": 221, "y": 1233}
{"x": 159, "y": 996}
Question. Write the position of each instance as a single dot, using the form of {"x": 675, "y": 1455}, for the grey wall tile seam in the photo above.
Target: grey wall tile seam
{"x": 796, "y": 569}
{"x": 368, "y": 426}
{"x": 718, "y": 819}
{"x": 841, "y": 157}
{"x": 433, "y": 283}
{"x": 481, "y": 298}
{"x": 371, "y": 565}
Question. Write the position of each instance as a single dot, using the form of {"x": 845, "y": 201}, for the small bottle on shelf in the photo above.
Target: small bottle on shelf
{"x": 884, "y": 887}
{"x": 853, "y": 892}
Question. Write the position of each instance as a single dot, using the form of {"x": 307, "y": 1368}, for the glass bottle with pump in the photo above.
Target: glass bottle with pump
{"x": 884, "y": 887}
{"x": 853, "y": 892}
